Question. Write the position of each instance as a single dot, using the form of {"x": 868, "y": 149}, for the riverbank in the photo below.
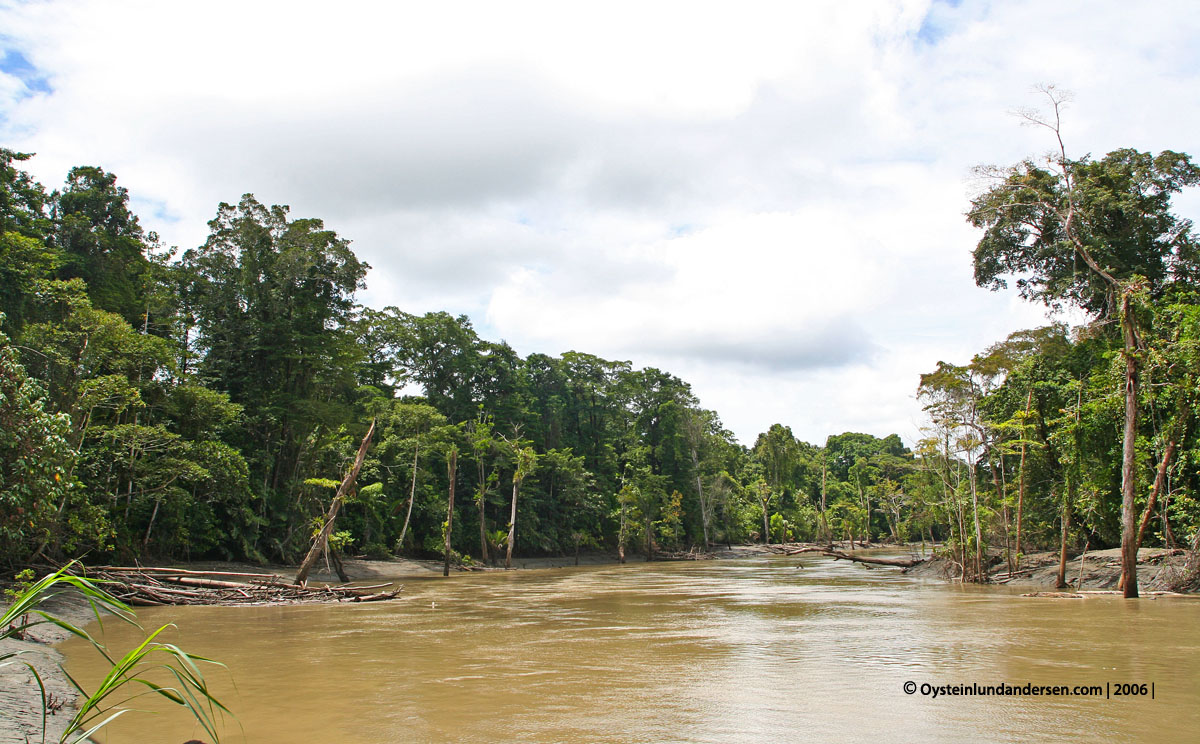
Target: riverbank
{"x": 20, "y": 698}
{"x": 1099, "y": 570}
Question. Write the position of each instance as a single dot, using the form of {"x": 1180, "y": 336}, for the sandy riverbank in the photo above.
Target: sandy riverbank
{"x": 1096, "y": 570}
{"x": 20, "y": 698}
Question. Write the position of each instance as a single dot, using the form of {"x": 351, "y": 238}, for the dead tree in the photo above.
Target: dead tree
{"x": 321, "y": 541}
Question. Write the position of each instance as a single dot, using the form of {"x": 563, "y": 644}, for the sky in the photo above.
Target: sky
{"x": 766, "y": 200}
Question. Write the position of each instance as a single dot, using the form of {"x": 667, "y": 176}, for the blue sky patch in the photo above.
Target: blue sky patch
{"x": 934, "y": 26}
{"x": 18, "y": 65}
{"x": 155, "y": 208}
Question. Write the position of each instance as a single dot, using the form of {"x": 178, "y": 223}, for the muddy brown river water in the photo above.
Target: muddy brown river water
{"x": 723, "y": 651}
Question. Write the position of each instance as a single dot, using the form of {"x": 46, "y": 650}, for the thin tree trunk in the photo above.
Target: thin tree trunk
{"x": 622, "y": 534}
{"x": 1004, "y": 513}
{"x": 322, "y": 539}
{"x": 149, "y": 527}
{"x": 1062, "y": 553}
{"x": 700, "y": 492}
{"x": 338, "y": 567}
{"x": 766, "y": 523}
{"x": 412, "y": 495}
{"x": 1021, "y": 487}
{"x": 1168, "y": 536}
{"x": 649, "y": 540}
{"x": 452, "y": 467}
{"x": 1082, "y": 558}
{"x": 512, "y": 525}
{"x": 483, "y": 541}
{"x": 1129, "y": 533}
{"x": 978, "y": 531}
{"x": 1160, "y": 478}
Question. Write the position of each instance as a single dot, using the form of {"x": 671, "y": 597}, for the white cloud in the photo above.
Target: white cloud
{"x": 767, "y": 202}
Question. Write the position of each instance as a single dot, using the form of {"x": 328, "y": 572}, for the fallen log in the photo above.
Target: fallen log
{"x": 839, "y": 555}
{"x": 209, "y": 583}
{"x": 375, "y": 597}
{"x": 138, "y": 586}
{"x": 189, "y": 572}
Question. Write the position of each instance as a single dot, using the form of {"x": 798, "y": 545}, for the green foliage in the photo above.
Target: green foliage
{"x": 35, "y": 460}
{"x": 200, "y": 405}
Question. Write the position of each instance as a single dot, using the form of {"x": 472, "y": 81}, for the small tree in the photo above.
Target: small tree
{"x": 524, "y": 463}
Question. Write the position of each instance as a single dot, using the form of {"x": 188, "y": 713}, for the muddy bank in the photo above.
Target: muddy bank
{"x": 20, "y": 698}
{"x": 1158, "y": 570}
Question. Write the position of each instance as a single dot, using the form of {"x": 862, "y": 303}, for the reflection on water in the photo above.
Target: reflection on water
{"x": 727, "y": 651}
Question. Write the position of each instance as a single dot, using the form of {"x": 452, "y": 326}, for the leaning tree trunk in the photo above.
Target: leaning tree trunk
{"x": 322, "y": 539}
{"x": 1160, "y": 476}
{"x": 412, "y": 496}
{"x": 1129, "y": 525}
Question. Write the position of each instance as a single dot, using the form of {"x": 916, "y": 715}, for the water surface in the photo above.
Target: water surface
{"x": 720, "y": 651}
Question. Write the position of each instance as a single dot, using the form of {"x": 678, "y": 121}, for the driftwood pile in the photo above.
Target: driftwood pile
{"x": 149, "y": 587}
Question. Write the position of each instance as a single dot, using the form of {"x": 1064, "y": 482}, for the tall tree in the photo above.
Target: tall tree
{"x": 274, "y": 301}
{"x": 1094, "y": 234}
{"x": 101, "y": 242}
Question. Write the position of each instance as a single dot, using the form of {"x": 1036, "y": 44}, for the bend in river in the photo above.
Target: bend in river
{"x": 719, "y": 651}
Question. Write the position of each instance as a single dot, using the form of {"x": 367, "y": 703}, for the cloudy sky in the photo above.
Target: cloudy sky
{"x": 765, "y": 199}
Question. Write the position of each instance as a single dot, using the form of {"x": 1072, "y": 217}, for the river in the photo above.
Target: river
{"x": 757, "y": 650}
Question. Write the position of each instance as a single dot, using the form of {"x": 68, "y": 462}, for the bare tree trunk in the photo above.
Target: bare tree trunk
{"x": 452, "y": 468}
{"x": 412, "y": 495}
{"x": 1160, "y": 478}
{"x": 512, "y": 525}
{"x": 1168, "y": 536}
{"x": 1062, "y": 552}
{"x": 766, "y": 523}
{"x": 149, "y": 527}
{"x": 337, "y": 566}
{"x": 622, "y": 534}
{"x": 1129, "y": 530}
{"x": 321, "y": 541}
{"x": 483, "y": 541}
{"x": 978, "y": 531}
{"x": 649, "y": 526}
{"x": 1004, "y": 513}
{"x": 704, "y": 510}
{"x": 1021, "y": 487}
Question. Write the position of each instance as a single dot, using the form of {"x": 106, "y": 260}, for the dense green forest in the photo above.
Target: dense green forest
{"x": 205, "y": 403}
